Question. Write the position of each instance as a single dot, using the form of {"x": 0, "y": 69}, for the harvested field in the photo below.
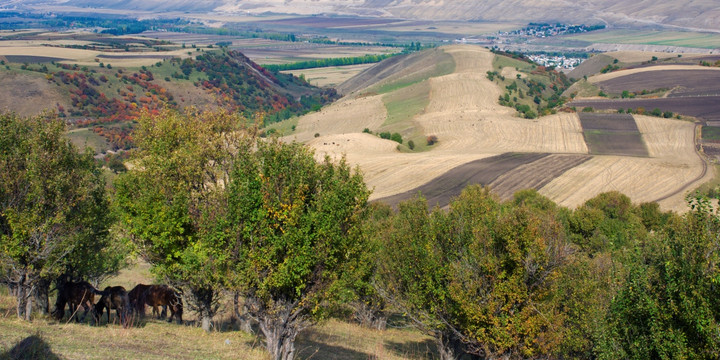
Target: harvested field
{"x": 442, "y": 189}
{"x": 472, "y": 128}
{"x": 331, "y": 22}
{"x": 683, "y": 82}
{"x": 330, "y": 76}
{"x": 703, "y": 107}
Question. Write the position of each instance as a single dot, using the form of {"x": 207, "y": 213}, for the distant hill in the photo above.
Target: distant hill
{"x": 691, "y": 14}
{"x": 104, "y": 96}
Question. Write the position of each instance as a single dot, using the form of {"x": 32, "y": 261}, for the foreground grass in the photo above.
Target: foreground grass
{"x": 156, "y": 339}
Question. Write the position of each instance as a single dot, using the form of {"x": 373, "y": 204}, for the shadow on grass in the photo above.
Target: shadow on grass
{"x": 32, "y": 347}
{"x": 311, "y": 349}
{"x": 426, "y": 349}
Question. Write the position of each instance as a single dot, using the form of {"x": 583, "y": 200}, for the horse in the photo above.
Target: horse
{"x": 75, "y": 294}
{"x": 163, "y": 295}
{"x": 135, "y": 295}
{"x": 114, "y": 297}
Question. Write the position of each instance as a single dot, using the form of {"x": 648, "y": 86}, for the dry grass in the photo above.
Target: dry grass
{"x": 330, "y": 76}
{"x": 157, "y": 339}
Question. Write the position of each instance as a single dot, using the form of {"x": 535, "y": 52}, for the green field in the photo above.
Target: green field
{"x": 669, "y": 38}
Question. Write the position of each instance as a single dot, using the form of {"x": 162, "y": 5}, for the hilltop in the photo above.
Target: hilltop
{"x": 567, "y": 156}
{"x": 685, "y": 14}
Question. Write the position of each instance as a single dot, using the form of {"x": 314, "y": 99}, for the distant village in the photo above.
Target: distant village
{"x": 565, "y": 62}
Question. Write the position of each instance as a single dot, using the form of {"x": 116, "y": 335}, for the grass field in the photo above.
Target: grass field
{"x": 85, "y": 137}
{"x": 670, "y": 38}
{"x": 46, "y": 338}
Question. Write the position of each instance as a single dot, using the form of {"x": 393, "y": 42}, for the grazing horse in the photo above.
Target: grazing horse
{"x": 135, "y": 295}
{"x": 75, "y": 294}
{"x": 163, "y": 295}
{"x": 113, "y": 297}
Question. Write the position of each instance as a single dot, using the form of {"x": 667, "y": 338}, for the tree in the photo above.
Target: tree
{"x": 668, "y": 305}
{"x": 481, "y": 277}
{"x": 296, "y": 228}
{"x": 172, "y": 199}
{"x": 53, "y": 209}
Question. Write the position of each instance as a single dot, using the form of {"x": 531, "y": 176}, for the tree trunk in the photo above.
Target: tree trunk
{"x": 41, "y": 296}
{"x": 279, "y": 339}
{"x": 450, "y": 347}
{"x": 368, "y": 317}
{"x": 240, "y": 314}
{"x": 204, "y": 299}
{"x": 24, "y": 298}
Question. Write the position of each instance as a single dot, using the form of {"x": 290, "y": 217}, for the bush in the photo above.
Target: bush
{"x": 367, "y": 131}
{"x": 396, "y": 137}
{"x": 432, "y": 140}
{"x": 411, "y": 145}
{"x": 587, "y": 109}
{"x": 385, "y": 135}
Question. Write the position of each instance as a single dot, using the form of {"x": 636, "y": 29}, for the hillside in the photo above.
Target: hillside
{"x": 104, "y": 97}
{"x": 459, "y": 108}
{"x": 703, "y": 14}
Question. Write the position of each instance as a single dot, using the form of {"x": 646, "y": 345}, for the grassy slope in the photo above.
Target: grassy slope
{"x": 156, "y": 339}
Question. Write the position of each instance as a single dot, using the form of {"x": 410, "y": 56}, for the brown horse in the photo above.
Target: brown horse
{"x": 75, "y": 294}
{"x": 114, "y": 297}
{"x": 135, "y": 295}
{"x": 163, "y": 295}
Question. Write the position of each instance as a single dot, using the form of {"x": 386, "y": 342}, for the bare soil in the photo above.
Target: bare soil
{"x": 702, "y": 107}
{"x": 444, "y": 188}
{"x": 684, "y": 82}
{"x": 612, "y": 134}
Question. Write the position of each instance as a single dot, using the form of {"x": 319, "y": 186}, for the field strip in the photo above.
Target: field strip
{"x": 620, "y": 73}
{"x": 441, "y": 190}
{"x": 345, "y": 116}
{"x": 629, "y": 56}
{"x": 536, "y": 174}
{"x": 667, "y": 138}
{"x": 641, "y": 179}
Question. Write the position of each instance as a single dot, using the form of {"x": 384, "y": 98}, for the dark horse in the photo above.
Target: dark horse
{"x": 114, "y": 297}
{"x": 135, "y": 295}
{"x": 162, "y": 295}
{"x": 75, "y": 294}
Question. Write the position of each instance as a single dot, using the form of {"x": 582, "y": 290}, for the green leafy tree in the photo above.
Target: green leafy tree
{"x": 668, "y": 306}
{"x": 53, "y": 210}
{"x": 481, "y": 277}
{"x": 296, "y": 226}
{"x": 173, "y": 199}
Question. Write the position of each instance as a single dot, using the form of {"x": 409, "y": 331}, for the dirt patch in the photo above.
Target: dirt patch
{"x": 31, "y": 59}
{"x": 612, "y": 134}
{"x": 684, "y": 82}
{"x": 442, "y": 189}
{"x": 536, "y": 174}
{"x": 703, "y": 107}
{"x": 28, "y": 94}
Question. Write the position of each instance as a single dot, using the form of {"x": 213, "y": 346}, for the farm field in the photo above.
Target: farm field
{"x": 329, "y": 76}
{"x": 670, "y": 38}
{"x": 681, "y": 82}
{"x": 472, "y": 128}
{"x": 612, "y": 134}
{"x": 702, "y": 107}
